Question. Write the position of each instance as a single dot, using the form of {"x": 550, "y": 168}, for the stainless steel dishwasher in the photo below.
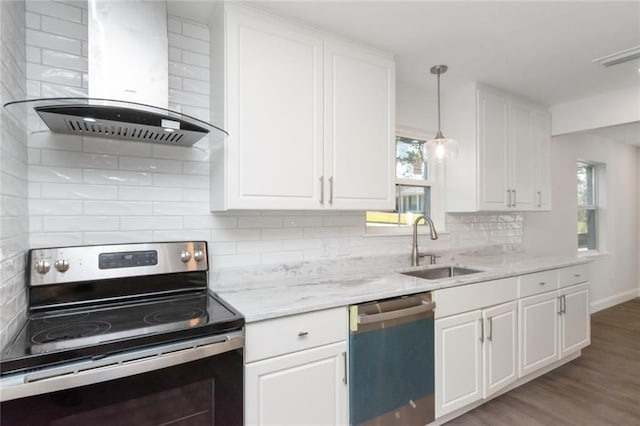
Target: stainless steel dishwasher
{"x": 391, "y": 362}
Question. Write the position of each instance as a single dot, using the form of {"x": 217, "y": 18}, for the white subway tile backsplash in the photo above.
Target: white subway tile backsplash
{"x": 78, "y": 159}
{"x": 260, "y": 222}
{"x": 51, "y": 90}
{"x": 149, "y": 193}
{"x": 322, "y": 232}
{"x": 55, "y": 174}
{"x": 233, "y": 260}
{"x": 55, "y": 141}
{"x": 64, "y": 60}
{"x": 54, "y": 75}
{"x": 79, "y": 191}
{"x": 185, "y": 98}
{"x": 303, "y": 221}
{"x": 174, "y": 25}
{"x": 282, "y": 257}
{"x": 111, "y": 237}
{"x": 32, "y": 20}
{"x": 40, "y": 207}
{"x": 55, "y": 42}
{"x": 198, "y": 31}
{"x": 80, "y": 223}
{"x": 195, "y": 168}
{"x": 281, "y": 234}
{"x": 180, "y": 180}
{"x": 55, "y": 9}
{"x": 150, "y": 223}
{"x": 115, "y": 146}
{"x": 195, "y": 153}
{"x": 197, "y": 195}
{"x": 218, "y": 249}
{"x": 175, "y": 82}
{"x": 149, "y": 164}
{"x": 188, "y": 43}
{"x": 55, "y": 239}
{"x": 175, "y": 54}
{"x": 195, "y": 86}
{"x": 118, "y": 208}
{"x": 181, "y": 208}
{"x": 197, "y": 59}
{"x": 189, "y": 71}
{"x": 61, "y": 27}
{"x": 34, "y": 54}
{"x": 237, "y": 235}
{"x": 182, "y": 234}
{"x": 115, "y": 177}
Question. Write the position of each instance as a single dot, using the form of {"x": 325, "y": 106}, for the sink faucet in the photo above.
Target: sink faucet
{"x": 415, "y": 254}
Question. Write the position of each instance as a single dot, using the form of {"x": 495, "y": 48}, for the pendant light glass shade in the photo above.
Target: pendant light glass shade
{"x": 440, "y": 147}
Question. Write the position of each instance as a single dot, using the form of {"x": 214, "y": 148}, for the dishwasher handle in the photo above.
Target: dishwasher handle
{"x": 424, "y": 307}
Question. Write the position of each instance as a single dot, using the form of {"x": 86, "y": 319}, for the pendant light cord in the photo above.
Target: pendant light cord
{"x": 439, "y": 127}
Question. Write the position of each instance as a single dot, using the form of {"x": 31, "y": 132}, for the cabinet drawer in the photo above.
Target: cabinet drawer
{"x": 464, "y": 298}
{"x": 573, "y": 275}
{"x": 538, "y": 282}
{"x": 265, "y": 339}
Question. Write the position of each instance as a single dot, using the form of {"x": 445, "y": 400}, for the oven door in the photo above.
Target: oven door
{"x": 201, "y": 391}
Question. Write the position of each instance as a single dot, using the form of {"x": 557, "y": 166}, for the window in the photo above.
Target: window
{"x": 587, "y": 207}
{"x": 415, "y": 189}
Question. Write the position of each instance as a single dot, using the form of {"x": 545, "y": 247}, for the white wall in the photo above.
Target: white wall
{"x": 602, "y": 110}
{"x": 614, "y": 274}
{"x": 13, "y": 169}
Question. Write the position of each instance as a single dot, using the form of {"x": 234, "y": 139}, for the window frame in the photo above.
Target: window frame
{"x": 593, "y": 207}
{"x": 435, "y": 181}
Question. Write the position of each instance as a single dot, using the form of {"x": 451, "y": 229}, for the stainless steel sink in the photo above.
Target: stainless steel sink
{"x": 441, "y": 272}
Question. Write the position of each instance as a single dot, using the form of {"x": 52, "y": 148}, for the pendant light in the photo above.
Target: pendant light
{"x": 441, "y": 147}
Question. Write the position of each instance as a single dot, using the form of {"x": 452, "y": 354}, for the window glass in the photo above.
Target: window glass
{"x": 413, "y": 187}
{"x": 587, "y": 208}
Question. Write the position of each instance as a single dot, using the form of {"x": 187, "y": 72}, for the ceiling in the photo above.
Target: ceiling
{"x": 541, "y": 50}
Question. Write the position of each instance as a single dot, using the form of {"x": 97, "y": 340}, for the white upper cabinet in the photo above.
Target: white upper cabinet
{"x": 503, "y": 161}
{"x": 310, "y": 118}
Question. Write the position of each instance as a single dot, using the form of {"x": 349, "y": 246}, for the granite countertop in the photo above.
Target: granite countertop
{"x": 311, "y": 292}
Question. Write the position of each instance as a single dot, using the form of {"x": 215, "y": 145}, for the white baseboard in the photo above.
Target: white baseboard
{"x": 607, "y": 302}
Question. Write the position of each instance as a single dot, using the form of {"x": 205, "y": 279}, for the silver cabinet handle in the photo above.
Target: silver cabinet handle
{"x": 491, "y": 328}
{"x": 321, "y": 190}
{"x": 331, "y": 190}
{"x": 514, "y": 199}
{"x": 481, "y": 329}
{"x": 564, "y": 303}
{"x": 400, "y": 313}
{"x": 303, "y": 333}
{"x": 542, "y": 283}
{"x": 344, "y": 358}
{"x": 560, "y": 307}
{"x": 576, "y": 275}
{"x": 539, "y": 198}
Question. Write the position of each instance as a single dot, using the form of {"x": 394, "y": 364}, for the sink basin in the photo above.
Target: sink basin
{"x": 441, "y": 272}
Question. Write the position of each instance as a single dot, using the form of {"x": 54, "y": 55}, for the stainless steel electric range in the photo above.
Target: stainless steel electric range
{"x": 123, "y": 334}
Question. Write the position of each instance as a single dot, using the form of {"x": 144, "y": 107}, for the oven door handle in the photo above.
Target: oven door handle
{"x": 116, "y": 366}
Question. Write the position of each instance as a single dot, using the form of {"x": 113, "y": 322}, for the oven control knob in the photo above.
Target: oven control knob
{"x": 198, "y": 255}
{"x": 61, "y": 265}
{"x": 42, "y": 266}
{"x": 185, "y": 256}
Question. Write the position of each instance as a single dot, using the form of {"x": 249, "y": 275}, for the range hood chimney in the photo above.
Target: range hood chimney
{"x": 128, "y": 81}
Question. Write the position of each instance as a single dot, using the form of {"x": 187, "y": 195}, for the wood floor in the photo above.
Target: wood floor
{"x": 602, "y": 387}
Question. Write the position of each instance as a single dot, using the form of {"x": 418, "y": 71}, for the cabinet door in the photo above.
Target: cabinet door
{"x": 274, "y": 113}
{"x": 521, "y": 137}
{"x": 493, "y": 150}
{"x": 302, "y": 388}
{"x": 458, "y": 361}
{"x": 359, "y": 138}
{"x": 542, "y": 144}
{"x": 500, "y": 347}
{"x": 575, "y": 323}
{"x": 539, "y": 316}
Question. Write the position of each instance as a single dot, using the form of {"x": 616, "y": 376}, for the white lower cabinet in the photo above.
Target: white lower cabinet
{"x": 539, "y": 316}
{"x": 302, "y": 388}
{"x": 296, "y": 370}
{"x": 475, "y": 356}
{"x": 500, "y": 347}
{"x": 552, "y": 326}
{"x": 575, "y": 326}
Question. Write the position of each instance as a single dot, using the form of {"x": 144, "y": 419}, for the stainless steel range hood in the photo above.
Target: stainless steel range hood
{"x": 128, "y": 81}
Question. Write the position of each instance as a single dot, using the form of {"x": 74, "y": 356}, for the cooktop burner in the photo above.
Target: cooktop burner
{"x": 117, "y": 308}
